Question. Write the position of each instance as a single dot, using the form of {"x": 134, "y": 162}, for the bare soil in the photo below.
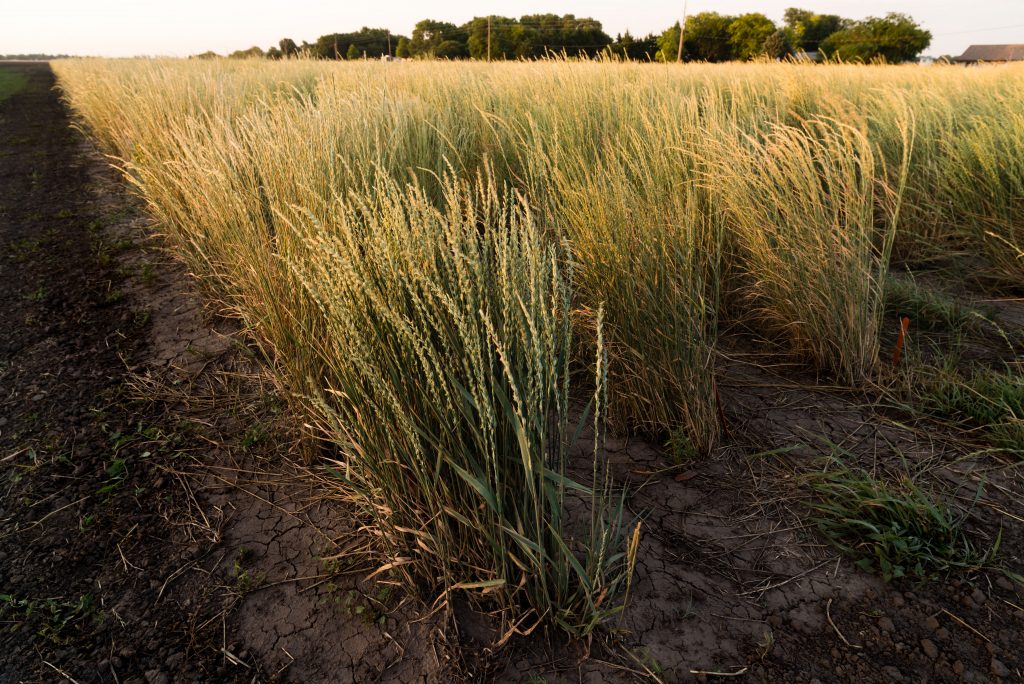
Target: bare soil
{"x": 158, "y": 524}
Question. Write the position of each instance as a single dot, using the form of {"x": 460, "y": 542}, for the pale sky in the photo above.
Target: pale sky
{"x": 182, "y": 27}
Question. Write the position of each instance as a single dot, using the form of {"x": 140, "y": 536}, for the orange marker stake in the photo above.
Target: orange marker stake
{"x": 904, "y": 324}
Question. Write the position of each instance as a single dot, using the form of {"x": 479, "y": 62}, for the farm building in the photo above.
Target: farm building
{"x": 992, "y": 53}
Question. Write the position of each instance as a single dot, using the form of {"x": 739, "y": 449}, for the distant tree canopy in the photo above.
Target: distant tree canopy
{"x": 373, "y": 42}
{"x": 806, "y": 30}
{"x": 287, "y": 47}
{"x": 641, "y": 49}
{"x": 247, "y": 54}
{"x": 550, "y": 33}
{"x": 35, "y": 57}
{"x": 748, "y": 34}
{"x": 714, "y": 37}
{"x": 708, "y": 37}
{"x": 893, "y": 38}
{"x": 777, "y": 45}
{"x": 436, "y": 39}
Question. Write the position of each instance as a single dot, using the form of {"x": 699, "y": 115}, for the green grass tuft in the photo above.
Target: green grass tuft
{"x": 929, "y": 309}
{"x": 990, "y": 401}
{"x": 893, "y": 527}
{"x": 11, "y": 82}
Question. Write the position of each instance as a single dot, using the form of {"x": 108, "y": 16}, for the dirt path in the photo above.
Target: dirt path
{"x": 77, "y": 501}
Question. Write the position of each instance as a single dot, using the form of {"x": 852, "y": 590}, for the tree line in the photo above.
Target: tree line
{"x": 708, "y": 36}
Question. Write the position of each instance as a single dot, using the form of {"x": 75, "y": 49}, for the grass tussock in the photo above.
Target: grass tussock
{"x": 446, "y": 387}
{"x": 893, "y": 527}
{"x": 990, "y": 402}
{"x": 929, "y": 309}
{"x": 814, "y": 225}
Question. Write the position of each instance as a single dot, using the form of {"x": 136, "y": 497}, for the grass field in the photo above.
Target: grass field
{"x": 442, "y": 264}
{"x": 10, "y": 83}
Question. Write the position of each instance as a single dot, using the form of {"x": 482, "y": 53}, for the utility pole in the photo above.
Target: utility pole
{"x": 488, "y": 38}
{"x": 682, "y": 34}
{"x": 389, "y": 42}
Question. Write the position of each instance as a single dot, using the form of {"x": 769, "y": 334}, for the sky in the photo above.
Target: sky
{"x": 121, "y": 28}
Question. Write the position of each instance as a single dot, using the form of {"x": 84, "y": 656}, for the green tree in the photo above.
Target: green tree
{"x": 288, "y": 47}
{"x": 707, "y": 37}
{"x": 374, "y": 42}
{"x": 777, "y": 45}
{"x": 893, "y": 38}
{"x": 352, "y": 52}
{"x": 428, "y": 37}
{"x": 668, "y": 44}
{"x": 807, "y": 30}
{"x": 639, "y": 49}
{"x": 748, "y": 33}
{"x": 251, "y": 53}
{"x": 402, "y": 49}
{"x": 509, "y": 38}
{"x": 569, "y": 34}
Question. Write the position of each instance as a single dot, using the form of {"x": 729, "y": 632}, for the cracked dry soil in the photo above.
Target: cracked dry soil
{"x": 156, "y": 525}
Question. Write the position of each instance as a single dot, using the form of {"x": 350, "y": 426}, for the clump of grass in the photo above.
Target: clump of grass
{"x": 646, "y": 245}
{"x": 893, "y": 527}
{"x": 986, "y": 188}
{"x": 805, "y": 204}
{"x": 446, "y": 387}
{"x": 989, "y": 401}
{"x": 929, "y": 309}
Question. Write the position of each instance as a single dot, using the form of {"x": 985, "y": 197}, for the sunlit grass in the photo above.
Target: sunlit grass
{"x": 438, "y": 260}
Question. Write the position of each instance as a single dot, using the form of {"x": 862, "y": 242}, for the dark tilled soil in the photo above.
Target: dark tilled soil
{"x": 154, "y": 526}
{"x": 82, "y": 531}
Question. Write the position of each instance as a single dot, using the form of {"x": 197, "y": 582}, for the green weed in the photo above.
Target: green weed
{"x": 929, "y": 309}
{"x": 989, "y": 401}
{"x": 55, "y": 616}
{"x": 245, "y": 579}
{"x": 11, "y": 82}
{"x": 892, "y": 526}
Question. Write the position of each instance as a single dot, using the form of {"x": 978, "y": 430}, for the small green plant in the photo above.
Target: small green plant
{"x": 929, "y": 309}
{"x": 85, "y": 522}
{"x": 25, "y": 248}
{"x": 990, "y": 400}
{"x": 892, "y": 527}
{"x": 246, "y": 580}
{"x": 113, "y": 296}
{"x": 36, "y": 295}
{"x": 356, "y": 605}
{"x": 254, "y": 436}
{"x": 681, "y": 447}
{"x": 147, "y": 274}
{"x": 54, "y": 615}
{"x": 117, "y": 472}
